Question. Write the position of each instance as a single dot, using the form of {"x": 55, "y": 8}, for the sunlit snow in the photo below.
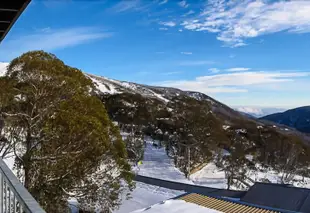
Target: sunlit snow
{"x": 176, "y": 206}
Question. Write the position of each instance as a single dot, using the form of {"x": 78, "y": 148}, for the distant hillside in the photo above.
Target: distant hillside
{"x": 183, "y": 120}
{"x": 298, "y": 118}
{"x": 193, "y": 124}
{"x": 258, "y": 112}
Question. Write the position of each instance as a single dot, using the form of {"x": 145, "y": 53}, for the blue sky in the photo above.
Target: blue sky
{"x": 243, "y": 53}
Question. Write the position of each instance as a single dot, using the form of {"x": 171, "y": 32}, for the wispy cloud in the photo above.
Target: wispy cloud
{"x": 236, "y": 21}
{"x": 159, "y": 52}
{"x": 214, "y": 70}
{"x": 163, "y": 28}
{"x": 186, "y": 53}
{"x": 232, "y": 56}
{"x": 163, "y": 2}
{"x": 51, "y": 39}
{"x": 168, "y": 23}
{"x": 195, "y": 63}
{"x": 128, "y": 5}
{"x": 183, "y": 4}
{"x": 189, "y": 13}
{"x": 238, "y": 69}
{"x": 234, "y": 82}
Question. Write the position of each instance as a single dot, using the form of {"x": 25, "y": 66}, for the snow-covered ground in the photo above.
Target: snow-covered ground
{"x": 157, "y": 164}
{"x": 210, "y": 176}
{"x": 145, "y": 195}
{"x": 175, "y": 206}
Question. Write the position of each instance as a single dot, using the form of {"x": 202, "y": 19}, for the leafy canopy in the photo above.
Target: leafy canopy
{"x": 64, "y": 143}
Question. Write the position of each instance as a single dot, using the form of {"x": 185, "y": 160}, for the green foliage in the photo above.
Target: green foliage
{"x": 193, "y": 128}
{"x": 64, "y": 142}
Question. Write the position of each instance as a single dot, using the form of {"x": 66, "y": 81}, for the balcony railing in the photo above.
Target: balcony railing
{"x": 14, "y": 197}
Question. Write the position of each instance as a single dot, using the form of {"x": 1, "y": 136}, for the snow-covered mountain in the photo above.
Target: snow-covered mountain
{"x": 298, "y": 118}
{"x": 164, "y": 113}
{"x": 258, "y": 112}
{"x": 180, "y": 119}
{"x": 110, "y": 86}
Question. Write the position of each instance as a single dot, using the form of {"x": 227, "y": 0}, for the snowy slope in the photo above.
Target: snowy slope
{"x": 157, "y": 164}
{"x": 210, "y": 176}
{"x": 110, "y": 86}
{"x": 164, "y": 94}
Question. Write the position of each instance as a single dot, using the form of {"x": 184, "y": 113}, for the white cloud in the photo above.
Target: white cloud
{"x": 236, "y": 21}
{"x": 186, "y": 53}
{"x": 3, "y": 68}
{"x": 183, "y": 4}
{"x": 250, "y": 78}
{"x": 238, "y": 69}
{"x": 168, "y": 23}
{"x": 126, "y": 5}
{"x": 232, "y": 56}
{"x": 189, "y": 13}
{"x": 234, "y": 82}
{"x": 163, "y": 28}
{"x": 51, "y": 40}
{"x": 214, "y": 70}
{"x": 163, "y": 2}
{"x": 195, "y": 63}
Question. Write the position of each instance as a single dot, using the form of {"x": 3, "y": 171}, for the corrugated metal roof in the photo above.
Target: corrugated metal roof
{"x": 222, "y": 205}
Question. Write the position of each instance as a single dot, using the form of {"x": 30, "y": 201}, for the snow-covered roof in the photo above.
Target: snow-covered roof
{"x": 176, "y": 206}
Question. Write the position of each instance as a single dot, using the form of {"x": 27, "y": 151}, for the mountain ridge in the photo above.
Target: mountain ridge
{"x": 110, "y": 86}
{"x": 183, "y": 120}
{"x": 298, "y": 118}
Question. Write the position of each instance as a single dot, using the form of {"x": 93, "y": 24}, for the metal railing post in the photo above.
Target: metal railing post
{"x": 1, "y": 193}
{"x": 10, "y": 187}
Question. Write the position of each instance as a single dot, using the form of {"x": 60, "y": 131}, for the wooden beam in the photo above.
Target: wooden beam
{"x": 8, "y": 10}
{"x": 18, "y": 13}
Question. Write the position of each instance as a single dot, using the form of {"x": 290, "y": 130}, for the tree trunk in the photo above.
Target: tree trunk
{"x": 26, "y": 161}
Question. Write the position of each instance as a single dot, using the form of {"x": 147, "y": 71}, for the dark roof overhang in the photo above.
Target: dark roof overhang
{"x": 9, "y": 13}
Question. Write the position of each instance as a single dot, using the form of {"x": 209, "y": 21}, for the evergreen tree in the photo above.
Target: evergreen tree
{"x": 64, "y": 143}
{"x": 135, "y": 143}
